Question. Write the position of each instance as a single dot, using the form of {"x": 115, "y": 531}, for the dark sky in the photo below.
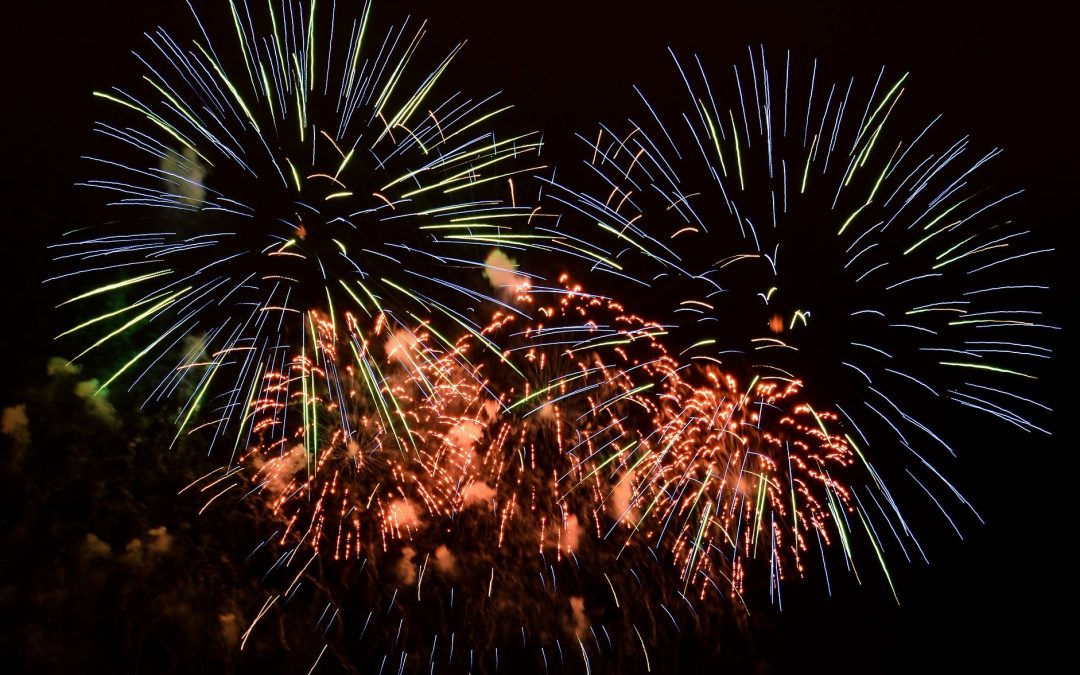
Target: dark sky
{"x": 1005, "y": 71}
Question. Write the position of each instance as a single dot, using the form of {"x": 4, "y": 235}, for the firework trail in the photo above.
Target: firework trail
{"x": 793, "y": 229}
{"x": 292, "y": 159}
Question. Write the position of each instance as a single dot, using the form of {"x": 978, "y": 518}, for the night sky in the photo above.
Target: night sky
{"x": 1003, "y": 71}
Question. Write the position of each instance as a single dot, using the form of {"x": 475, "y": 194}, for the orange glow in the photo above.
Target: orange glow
{"x": 776, "y": 324}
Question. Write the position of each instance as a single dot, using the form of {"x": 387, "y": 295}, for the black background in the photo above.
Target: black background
{"x": 1003, "y": 71}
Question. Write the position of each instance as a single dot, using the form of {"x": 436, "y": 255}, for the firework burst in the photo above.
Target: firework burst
{"x": 794, "y": 227}
{"x": 292, "y": 160}
{"x": 354, "y": 451}
{"x": 599, "y": 480}
{"x": 441, "y": 485}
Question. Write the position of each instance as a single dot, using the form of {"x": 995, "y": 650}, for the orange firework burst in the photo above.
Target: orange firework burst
{"x": 581, "y": 456}
{"x": 357, "y": 450}
{"x": 679, "y": 458}
{"x": 729, "y": 474}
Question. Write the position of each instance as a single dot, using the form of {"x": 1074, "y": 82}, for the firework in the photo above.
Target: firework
{"x": 353, "y": 451}
{"x": 456, "y": 484}
{"x": 795, "y": 227}
{"x": 530, "y": 472}
{"x": 282, "y": 161}
{"x": 595, "y": 492}
{"x": 675, "y": 457}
